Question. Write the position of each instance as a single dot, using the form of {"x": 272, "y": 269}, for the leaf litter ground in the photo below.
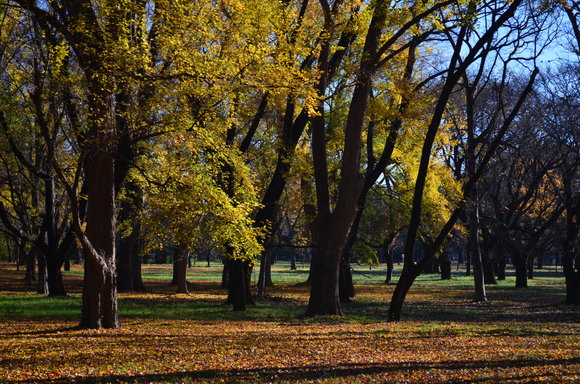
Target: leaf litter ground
{"x": 444, "y": 339}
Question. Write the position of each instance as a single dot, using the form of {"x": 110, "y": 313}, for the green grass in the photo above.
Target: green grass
{"x": 430, "y": 298}
{"x": 362, "y": 274}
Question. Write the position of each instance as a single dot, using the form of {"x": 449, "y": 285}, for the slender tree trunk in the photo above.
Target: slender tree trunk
{"x": 180, "y": 263}
{"x": 389, "y": 261}
{"x": 129, "y": 276}
{"x": 445, "y": 266}
{"x": 225, "y": 275}
{"x": 488, "y": 272}
{"x": 530, "y": 266}
{"x": 521, "y": 267}
{"x": 30, "y": 258}
{"x": 262, "y": 278}
{"x": 53, "y": 259}
{"x": 42, "y": 283}
{"x": 345, "y": 283}
{"x": 501, "y": 260}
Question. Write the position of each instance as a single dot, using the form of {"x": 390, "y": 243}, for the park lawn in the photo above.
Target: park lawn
{"x": 519, "y": 336}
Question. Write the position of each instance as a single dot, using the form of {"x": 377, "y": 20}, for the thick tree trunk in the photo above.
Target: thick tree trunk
{"x": 236, "y": 284}
{"x": 54, "y": 278}
{"x": 100, "y": 285}
{"x": 324, "y": 296}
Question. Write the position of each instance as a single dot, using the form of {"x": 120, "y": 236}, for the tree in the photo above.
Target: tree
{"x": 388, "y": 34}
{"x": 458, "y": 64}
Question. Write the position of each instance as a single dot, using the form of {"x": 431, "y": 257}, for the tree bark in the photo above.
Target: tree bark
{"x": 30, "y": 258}
{"x": 265, "y": 265}
{"x": 180, "y": 263}
{"x": 129, "y": 275}
{"x": 571, "y": 257}
{"x": 42, "y": 282}
{"x": 520, "y": 262}
{"x": 389, "y": 260}
{"x": 100, "y": 285}
{"x": 408, "y": 276}
{"x": 345, "y": 283}
{"x": 237, "y": 285}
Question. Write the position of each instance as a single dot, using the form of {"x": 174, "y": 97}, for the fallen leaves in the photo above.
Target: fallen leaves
{"x": 515, "y": 342}
{"x": 143, "y": 351}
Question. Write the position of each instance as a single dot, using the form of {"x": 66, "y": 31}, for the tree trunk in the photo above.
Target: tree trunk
{"x": 488, "y": 272}
{"x": 345, "y": 284}
{"x": 30, "y": 258}
{"x": 180, "y": 263}
{"x": 445, "y": 266}
{"x": 265, "y": 263}
{"x": 501, "y": 264}
{"x": 100, "y": 285}
{"x": 468, "y": 264}
{"x": 530, "y": 266}
{"x": 324, "y": 297}
{"x": 42, "y": 283}
{"x": 521, "y": 267}
{"x": 408, "y": 276}
{"x": 225, "y": 275}
{"x": 571, "y": 257}
{"x": 237, "y": 284}
{"x": 389, "y": 261}
{"x": 129, "y": 276}
{"x": 54, "y": 278}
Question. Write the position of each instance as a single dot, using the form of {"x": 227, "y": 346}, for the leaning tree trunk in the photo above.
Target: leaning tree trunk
{"x": 408, "y": 276}
{"x": 100, "y": 285}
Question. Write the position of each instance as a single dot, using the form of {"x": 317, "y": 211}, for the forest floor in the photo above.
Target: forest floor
{"x": 518, "y": 336}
